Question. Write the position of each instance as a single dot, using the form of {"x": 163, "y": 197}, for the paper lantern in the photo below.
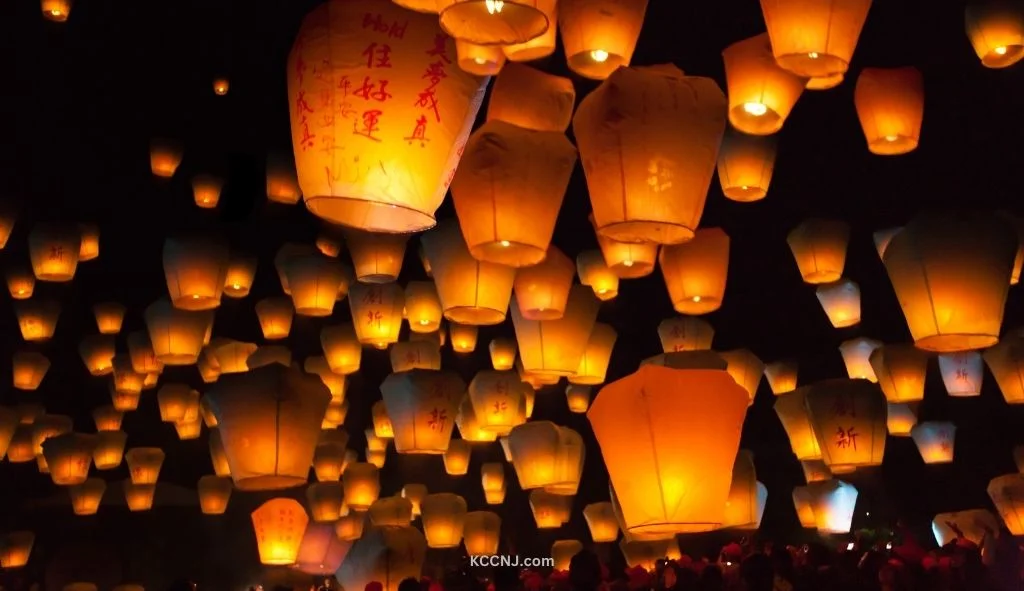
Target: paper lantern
{"x": 542, "y": 290}
{"x": 939, "y": 263}
{"x": 594, "y": 363}
{"x": 16, "y": 548}
{"x": 231, "y": 355}
{"x": 328, "y": 246}
{"x": 849, "y": 421}
{"x": 498, "y": 401}
{"x": 125, "y": 400}
{"x": 503, "y": 353}
{"x": 825, "y": 82}
{"x": 471, "y": 291}
{"x": 745, "y": 166}
{"x": 8, "y": 425}
{"x": 1007, "y": 494}
{"x": 900, "y": 419}
{"x": 382, "y": 427}
{"x": 109, "y": 317}
{"x": 54, "y": 251}
{"x": 377, "y": 313}
{"x": 422, "y": 306}
{"x": 268, "y": 421}
{"x": 791, "y": 408}
{"x": 540, "y": 46}
{"x": 482, "y": 533}
{"x": 562, "y": 552}
{"x": 479, "y": 60}
{"x": 841, "y": 302}
{"x": 972, "y": 525}
{"x": 463, "y": 337}
{"x": 109, "y": 450}
{"x": 325, "y": 501}
{"x": 530, "y": 99}
{"x": 20, "y": 283}
{"x": 126, "y": 379}
{"x": 814, "y": 39}
{"x": 221, "y": 86}
{"x": 239, "y": 277}
{"x": 492, "y": 476}
{"x": 164, "y": 157}
{"x": 195, "y": 269}
{"x": 57, "y": 11}
{"x": 383, "y": 555}
{"x": 275, "y": 316}
{"x": 493, "y": 23}
{"x": 144, "y": 464}
{"x": 601, "y": 522}
{"x": 313, "y": 282}
{"x": 282, "y": 182}
{"x": 550, "y": 511}
{"x": 761, "y": 96}
{"x": 279, "y": 525}
{"x": 934, "y": 440}
{"x": 143, "y": 357}
{"x": 833, "y": 503}
{"x": 508, "y": 191}
{"x": 329, "y": 459}
{"x": 422, "y": 405}
{"x": 1006, "y": 362}
{"x": 37, "y": 319}
{"x": 962, "y": 373}
{"x": 139, "y": 497}
{"x": 747, "y": 496}
{"x": 69, "y": 457}
{"x": 695, "y": 272}
{"x": 535, "y": 380}
{"x": 87, "y": 496}
{"x": 409, "y": 355}
{"x": 341, "y": 347}
{"x": 350, "y": 527}
{"x": 391, "y": 512}
{"x": 599, "y": 36}
{"x": 626, "y": 260}
{"x": 321, "y": 553}
{"x": 335, "y": 415}
{"x": 45, "y": 427}
{"x": 890, "y": 106}
{"x": 815, "y": 470}
{"x": 649, "y": 174}
{"x": 385, "y": 171}
{"x": 444, "y": 519}
{"x": 89, "y": 247}
{"x": 804, "y": 510}
{"x": 857, "y": 357}
{"x": 578, "y": 398}
{"x": 214, "y": 494}
{"x": 745, "y": 368}
{"x": 901, "y": 371}
{"x": 996, "y": 31}
{"x": 555, "y": 347}
{"x": 174, "y": 400}
{"x": 470, "y": 427}
{"x": 206, "y": 190}
{"x": 377, "y": 257}
{"x": 595, "y": 273}
{"x": 456, "y": 457}
{"x": 362, "y": 485}
{"x": 20, "y": 449}
{"x": 882, "y": 238}
{"x": 28, "y": 369}
{"x": 819, "y": 247}
{"x": 643, "y": 554}
{"x": 547, "y": 456}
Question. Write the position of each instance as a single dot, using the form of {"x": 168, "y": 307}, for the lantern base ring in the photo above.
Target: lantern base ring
{"x": 372, "y": 216}
{"x": 269, "y": 482}
{"x": 643, "y": 231}
{"x": 508, "y": 253}
{"x": 657, "y": 529}
{"x": 813, "y": 64}
{"x": 478, "y": 316}
{"x": 955, "y": 343}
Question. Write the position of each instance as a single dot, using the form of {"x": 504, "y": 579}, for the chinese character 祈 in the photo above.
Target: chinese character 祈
{"x": 846, "y": 438}
{"x": 843, "y": 406}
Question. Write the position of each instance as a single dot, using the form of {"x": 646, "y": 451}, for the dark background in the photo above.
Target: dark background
{"x": 82, "y": 100}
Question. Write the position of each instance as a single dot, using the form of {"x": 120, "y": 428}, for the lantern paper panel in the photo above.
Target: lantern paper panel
{"x": 856, "y": 356}
{"x": 901, "y": 371}
{"x": 422, "y": 405}
{"x": 627, "y": 260}
{"x": 791, "y": 409}
{"x": 555, "y": 347}
{"x": 377, "y": 258}
{"x": 377, "y": 313}
{"x": 833, "y": 502}
{"x": 54, "y": 251}
{"x": 900, "y": 418}
{"x": 531, "y": 99}
{"x": 542, "y": 45}
{"x": 444, "y": 519}
{"x": 493, "y": 23}
{"x": 782, "y": 376}
{"x": 819, "y": 247}
{"x": 935, "y": 441}
{"x": 601, "y": 522}
{"x": 972, "y": 525}
{"x": 695, "y": 272}
{"x": 195, "y": 269}
{"x": 385, "y": 555}
{"x": 745, "y": 368}
{"x": 542, "y": 291}
{"x": 815, "y": 470}
{"x": 1007, "y": 494}
{"x": 841, "y": 302}
{"x": 804, "y": 509}
{"x": 321, "y": 553}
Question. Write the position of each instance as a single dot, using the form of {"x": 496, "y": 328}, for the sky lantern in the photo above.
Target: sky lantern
{"x": 325, "y": 501}
{"x": 627, "y": 260}
{"x": 54, "y": 251}
{"x": 214, "y": 494}
{"x": 463, "y": 337}
{"x": 415, "y": 492}
{"x": 386, "y": 555}
{"x": 503, "y": 353}
{"x": 69, "y": 457}
{"x": 493, "y": 23}
{"x": 841, "y": 302}
{"x": 144, "y": 464}
{"x": 595, "y": 273}
{"x": 972, "y": 525}
{"x": 89, "y": 248}
{"x": 313, "y": 282}
{"x": 106, "y": 418}
{"x": 422, "y": 405}
{"x": 46, "y": 427}
{"x": 849, "y": 421}
{"x": 882, "y": 238}
{"x": 378, "y": 179}
{"x": 479, "y": 60}
{"x": 645, "y": 422}
{"x": 28, "y": 368}
{"x": 890, "y": 106}
{"x": 409, "y": 355}
{"x": 833, "y": 503}
{"x": 578, "y": 397}
{"x": 239, "y": 277}
{"x": 535, "y": 380}
{"x": 321, "y": 553}
{"x": 548, "y": 456}
{"x": 28, "y": 413}
{"x": 165, "y": 157}
{"x": 195, "y": 269}
{"x": 901, "y": 371}
{"x": 20, "y": 283}
{"x": 531, "y": 99}
{"x": 221, "y": 86}
{"x": 599, "y": 36}
{"x": 815, "y": 470}
{"x": 275, "y": 315}
{"x": 508, "y": 191}
{"x": 174, "y": 400}
{"x": 900, "y": 418}
{"x": 422, "y": 306}
{"x": 761, "y": 96}
{"x": 109, "y": 450}
{"x": 16, "y": 548}
{"x": 804, "y": 510}
{"x": 377, "y": 258}
{"x": 542, "y": 290}
{"x": 87, "y": 496}
{"x": 962, "y": 373}
{"x": 456, "y": 457}
{"x": 857, "y": 357}
{"x": 109, "y": 317}
{"x": 328, "y": 246}
{"x": 685, "y": 333}
{"x": 143, "y": 357}
{"x": 649, "y": 174}
{"x": 20, "y": 449}
{"x": 206, "y": 190}
{"x": 492, "y": 476}
{"x": 282, "y": 181}
{"x": 791, "y": 408}
{"x": 341, "y": 347}
{"x": 268, "y": 419}
{"x": 745, "y": 166}
{"x": 819, "y": 247}
{"x": 996, "y": 31}
{"x": 747, "y": 496}
{"x": 594, "y": 363}
{"x": 444, "y": 519}
{"x": 555, "y": 347}
{"x": 57, "y": 11}
{"x": 377, "y": 313}
{"x": 1007, "y": 494}
{"x": 498, "y": 400}
{"x": 126, "y": 379}
{"x": 540, "y": 46}
{"x": 934, "y": 440}
{"x": 562, "y": 552}
{"x": 1006, "y": 362}
{"x": 469, "y": 427}
{"x": 7, "y": 221}
{"x": 188, "y": 429}
{"x": 951, "y": 274}
{"x": 285, "y": 254}
{"x": 550, "y": 511}
{"x": 329, "y": 458}
{"x": 362, "y": 485}
{"x": 279, "y": 525}
{"x": 695, "y": 272}
{"x": 814, "y": 39}
{"x": 350, "y": 527}
{"x": 745, "y": 368}
{"x": 231, "y": 355}
{"x": 643, "y": 554}
{"x": 601, "y": 522}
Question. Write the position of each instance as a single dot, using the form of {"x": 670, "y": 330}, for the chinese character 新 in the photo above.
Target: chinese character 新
{"x": 846, "y": 438}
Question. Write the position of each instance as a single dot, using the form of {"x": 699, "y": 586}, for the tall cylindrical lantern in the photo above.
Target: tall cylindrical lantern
{"x": 761, "y": 94}
{"x": 849, "y": 421}
{"x": 164, "y": 157}
{"x": 890, "y": 105}
{"x": 900, "y": 370}
{"x": 195, "y": 269}
{"x": 214, "y": 494}
{"x": 362, "y": 485}
{"x": 814, "y": 39}
{"x": 543, "y": 289}
{"x": 934, "y": 440}
{"x": 377, "y": 258}
{"x": 555, "y": 347}
{"x": 377, "y": 313}
{"x": 599, "y": 36}
{"x": 456, "y": 457}
{"x": 422, "y": 405}
{"x": 962, "y": 373}
{"x": 54, "y": 251}
{"x": 996, "y": 31}
{"x": 279, "y": 525}
{"x": 444, "y": 519}
{"x": 695, "y": 272}
{"x": 482, "y": 532}
{"x": 819, "y": 247}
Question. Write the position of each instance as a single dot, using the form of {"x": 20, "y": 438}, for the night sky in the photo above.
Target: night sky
{"x": 83, "y": 99}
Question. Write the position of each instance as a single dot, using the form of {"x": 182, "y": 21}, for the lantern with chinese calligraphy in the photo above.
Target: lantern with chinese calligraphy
{"x": 341, "y": 347}
{"x": 20, "y": 283}
{"x": 109, "y": 450}
{"x": 164, "y": 157}
{"x": 498, "y": 400}
{"x": 601, "y": 522}
{"x": 469, "y": 427}
{"x": 934, "y": 440}
{"x": 594, "y": 362}
{"x": 890, "y": 105}
{"x": 962, "y": 373}
{"x": 841, "y": 302}
{"x": 531, "y": 99}
{"x": 1007, "y": 494}
{"x": 971, "y": 525}
{"x": 397, "y": 142}
{"x": 482, "y": 532}
{"x": 857, "y": 357}
{"x": 951, "y": 274}
{"x": 555, "y": 347}
{"x": 819, "y": 247}
{"x": 275, "y": 316}
{"x": 422, "y": 405}
{"x": 214, "y": 494}
{"x": 377, "y": 313}
{"x": 195, "y": 269}
{"x": 782, "y": 376}
{"x": 479, "y": 60}
{"x": 16, "y": 548}
{"x": 139, "y": 497}
{"x": 37, "y": 319}
{"x": 268, "y": 419}
{"x": 144, "y": 464}
{"x": 761, "y": 96}
{"x": 695, "y": 272}
{"x": 493, "y": 23}
{"x": 386, "y": 556}
{"x": 377, "y": 257}
{"x": 390, "y": 512}
{"x": 599, "y": 35}
{"x": 649, "y": 174}
{"x": 833, "y": 503}
{"x": 595, "y": 273}
{"x": 849, "y": 421}
{"x": 811, "y": 39}
{"x": 409, "y": 355}
{"x": 126, "y": 379}
{"x": 562, "y": 552}
{"x": 325, "y": 501}
{"x": 28, "y": 369}
{"x": 745, "y": 368}
{"x": 463, "y": 337}
{"x": 508, "y": 191}
{"x": 1006, "y": 362}
{"x": 456, "y": 457}
{"x": 69, "y": 457}
{"x": 87, "y": 496}
{"x": 109, "y": 317}
{"x": 239, "y": 277}
{"x": 625, "y": 259}
{"x": 422, "y": 306}
{"x": 542, "y": 290}
{"x": 745, "y": 166}
{"x": 747, "y": 496}
{"x": 901, "y": 371}
{"x": 547, "y": 456}
{"x": 503, "y": 353}
{"x": 471, "y": 291}
{"x": 54, "y": 251}
{"x": 313, "y": 282}
{"x": 578, "y": 398}
{"x": 206, "y": 190}
{"x": 550, "y": 511}
{"x": 279, "y": 525}
{"x": 791, "y": 408}
{"x": 996, "y": 31}
{"x": 900, "y": 419}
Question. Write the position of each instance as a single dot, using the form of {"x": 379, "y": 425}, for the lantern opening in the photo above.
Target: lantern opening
{"x": 599, "y": 55}
{"x": 372, "y": 216}
{"x": 755, "y": 109}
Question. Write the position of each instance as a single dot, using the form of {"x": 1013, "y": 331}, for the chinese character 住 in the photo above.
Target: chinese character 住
{"x": 846, "y": 438}
{"x": 378, "y": 56}
{"x": 438, "y": 416}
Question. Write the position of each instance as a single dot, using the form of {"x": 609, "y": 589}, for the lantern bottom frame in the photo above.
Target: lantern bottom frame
{"x": 825, "y": 82}
{"x": 1011, "y": 55}
{"x": 633, "y": 231}
{"x": 813, "y": 64}
{"x": 635, "y": 270}
{"x": 820, "y": 277}
{"x": 314, "y": 311}
{"x": 586, "y": 380}
{"x": 697, "y": 305}
{"x": 178, "y": 359}
{"x": 527, "y": 52}
{"x": 269, "y": 482}
{"x": 509, "y": 253}
{"x": 62, "y": 277}
{"x": 196, "y": 302}
{"x": 767, "y": 123}
{"x": 956, "y": 342}
{"x": 236, "y": 292}
{"x": 654, "y": 531}
{"x": 370, "y": 215}
{"x": 473, "y": 21}
{"x": 744, "y": 193}
{"x": 475, "y": 315}
{"x": 567, "y": 489}
{"x": 377, "y": 278}
{"x": 892, "y": 145}
{"x": 584, "y": 64}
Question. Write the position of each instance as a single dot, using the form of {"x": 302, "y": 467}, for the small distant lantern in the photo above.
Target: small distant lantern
{"x": 221, "y": 86}
{"x": 819, "y": 247}
{"x": 57, "y": 11}
{"x": 109, "y": 317}
{"x": 890, "y": 105}
{"x": 601, "y": 522}
{"x": 482, "y": 532}
{"x": 20, "y": 283}
{"x": 422, "y": 306}
{"x": 503, "y": 353}
{"x": 761, "y": 94}
{"x": 107, "y": 418}
{"x": 109, "y": 450}
{"x": 377, "y": 258}
{"x": 542, "y": 290}
{"x": 69, "y": 457}
{"x": 456, "y": 457}
{"x": 377, "y": 313}
{"x": 195, "y": 270}
{"x": 745, "y": 166}
{"x": 214, "y": 494}
{"x": 555, "y": 347}
{"x": 627, "y": 260}
{"x": 463, "y": 337}
{"x": 996, "y": 31}
{"x": 16, "y": 548}
{"x": 479, "y": 60}
{"x": 341, "y": 347}
{"x": 279, "y": 524}
{"x": 547, "y": 456}
{"x": 857, "y": 357}
{"x": 282, "y": 182}
{"x": 239, "y": 276}
{"x": 362, "y": 485}
{"x": 144, "y": 464}
{"x": 841, "y": 302}
{"x": 87, "y": 496}
{"x": 89, "y": 249}
{"x": 901, "y": 371}
{"x": 444, "y": 519}
{"x": 28, "y": 369}
{"x": 139, "y": 497}
{"x": 695, "y": 272}
{"x": 313, "y": 282}
{"x": 599, "y": 36}
{"x": 177, "y": 335}
{"x": 55, "y": 252}
{"x": 782, "y": 376}
{"x": 275, "y": 316}
{"x": 934, "y": 440}
{"x": 206, "y": 190}
{"x": 814, "y": 40}
{"x": 325, "y": 500}
{"x": 578, "y": 397}
{"x": 595, "y": 273}
{"x": 962, "y": 373}
{"x": 164, "y": 157}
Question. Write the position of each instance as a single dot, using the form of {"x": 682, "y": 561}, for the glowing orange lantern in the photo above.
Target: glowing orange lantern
{"x": 791, "y": 408}
{"x": 144, "y": 464}
{"x": 745, "y": 166}
{"x": 761, "y": 96}
{"x": 547, "y": 456}
{"x": 456, "y": 457}
{"x": 279, "y": 524}
{"x": 890, "y": 105}
{"x": 842, "y": 412}
{"x": 900, "y": 419}
{"x": 479, "y": 60}
{"x": 813, "y": 39}
{"x": 422, "y": 306}
{"x": 410, "y": 355}
{"x": 362, "y": 485}
{"x": 341, "y": 347}
{"x": 531, "y": 99}
{"x": 555, "y": 347}
{"x": 934, "y": 440}
{"x": 996, "y": 31}
{"x": 221, "y": 86}
{"x": 685, "y": 333}
{"x": 841, "y": 302}
{"x": 962, "y": 373}
{"x": 422, "y": 405}
{"x": 578, "y": 397}
{"x": 1006, "y": 362}
{"x": 69, "y": 457}
{"x": 695, "y": 272}
{"x": 745, "y": 368}
{"x": 206, "y": 190}
{"x": 377, "y": 313}
{"x": 543, "y": 289}
{"x": 819, "y": 247}
{"x": 107, "y": 418}
{"x": 109, "y": 450}
{"x": 857, "y": 357}
{"x": 599, "y": 35}
{"x": 594, "y": 363}
{"x": 28, "y": 369}
{"x": 16, "y": 548}
{"x": 314, "y": 281}
{"x": 195, "y": 270}
{"x": 493, "y": 23}
{"x": 164, "y": 157}
{"x": 1007, "y": 494}
{"x": 20, "y": 283}
{"x": 482, "y": 532}
{"x": 87, "y": 496}
{"x": 377, "y": 257}
{"x": 214, "y": 494}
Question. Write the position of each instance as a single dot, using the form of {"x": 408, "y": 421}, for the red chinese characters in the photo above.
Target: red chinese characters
{"x": 438, "y": 418}
{"x": 846, "y": 438}
{"x": 377, "y": 56}
{"x": 56, "y": 253}
{"x": 304, "y": 110}
{"x": 393, "y": 30}
{"x": 427, "y": 99}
